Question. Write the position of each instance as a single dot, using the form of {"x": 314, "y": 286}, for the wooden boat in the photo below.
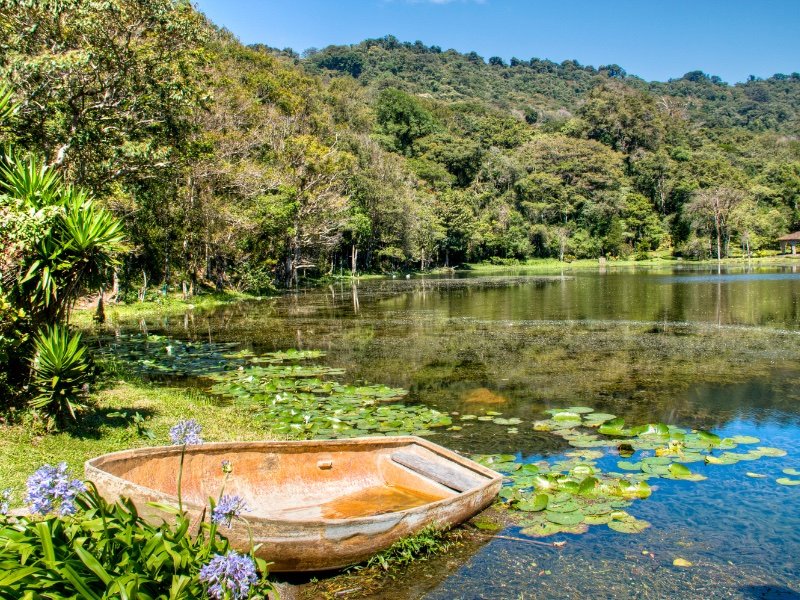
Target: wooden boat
{"x": 315, "y": 505}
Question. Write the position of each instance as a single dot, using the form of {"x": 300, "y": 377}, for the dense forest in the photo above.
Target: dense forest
{"x": 244, "y": 167}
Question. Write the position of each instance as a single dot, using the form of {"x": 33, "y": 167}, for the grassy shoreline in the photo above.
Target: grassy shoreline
{"x": 24, "y": 446}
{"x": 172, "y": 304}
{"x": 549, "y": 265}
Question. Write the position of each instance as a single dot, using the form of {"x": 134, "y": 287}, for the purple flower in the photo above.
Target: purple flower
{"x": 51, "y": 489}
{"x": 5, "y": 500}
{"x": 229, "y": 576}
{"x": 186, "y": 432}
{"x": 228, "y": 508}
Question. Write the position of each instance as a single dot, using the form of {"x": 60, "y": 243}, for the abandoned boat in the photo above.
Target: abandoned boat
{"x": 314, "y": 505}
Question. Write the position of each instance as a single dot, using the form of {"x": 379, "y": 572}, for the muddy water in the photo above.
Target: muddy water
{"x": 685, "y": 347}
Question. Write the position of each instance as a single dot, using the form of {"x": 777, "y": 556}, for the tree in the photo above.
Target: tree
{"x": 110, "y": 97}
{"x": 711, "y": 209}
{"x": 403, "y": 120}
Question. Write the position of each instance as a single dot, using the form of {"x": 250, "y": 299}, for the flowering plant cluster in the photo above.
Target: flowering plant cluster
{"x": 227, "y": 509}
{"x": 51, "y": 489}
{"x": 230, "y": 576}
{"x": 186, "y": 433}
{"x": 101, "y": 559}
{"x": 5, "y": 500}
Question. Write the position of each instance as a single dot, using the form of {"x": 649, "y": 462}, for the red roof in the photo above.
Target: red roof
{"x": 792, "y": 237}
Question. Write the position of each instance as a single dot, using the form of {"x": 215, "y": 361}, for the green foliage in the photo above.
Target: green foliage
{"x": 242, "y": 167}
{"x": 105, "y": 551}
{"x": 430, "y": 541}
{"x": 59, "y": 371}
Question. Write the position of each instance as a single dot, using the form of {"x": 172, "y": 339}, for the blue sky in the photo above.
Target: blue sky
{"x": 655, "y": 39}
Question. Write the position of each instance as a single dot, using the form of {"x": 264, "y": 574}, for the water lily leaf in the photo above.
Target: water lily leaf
{"x": 793, "y": 472}
{"x": 681, "y": 562}
{"x": 597, "y": 419}
{"x": 787, "y": 481}
{"x": 541, "y": 529}
{"x": 629, "y": 466}
{"x": 538, "y": 503}
{"x": 569, "y": 505}
{"x": 708, "y": 437}
{"x": 679, "y": 471}
{"x": 583, "y": 469}
{"x": 612, "y": 427}
{"x": 579, "y": 409}
{"x": 568, "y": 519}
{"x": 529, "y": 469}
{"x": 629, "y": 525}
{"x": 588, "y": 486}
{"x": 771, "y": 452}
{"x": 659, "y": 429}
{"x": 640, "y": 489}
{"x": 566, "y": 416}
{"x": 755, "y": 475}
{"x": 744, "y": 439}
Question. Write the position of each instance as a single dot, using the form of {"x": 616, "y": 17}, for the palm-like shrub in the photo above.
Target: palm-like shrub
{"x": 59, "y": 371}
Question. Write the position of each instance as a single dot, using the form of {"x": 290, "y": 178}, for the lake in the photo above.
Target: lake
{"x": 681, "y": 346}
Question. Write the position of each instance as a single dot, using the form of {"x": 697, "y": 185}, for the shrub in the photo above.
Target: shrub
{"x": 60, "y": 370}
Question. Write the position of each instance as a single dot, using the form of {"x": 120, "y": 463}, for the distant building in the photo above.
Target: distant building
{"x": 792, "y": 239}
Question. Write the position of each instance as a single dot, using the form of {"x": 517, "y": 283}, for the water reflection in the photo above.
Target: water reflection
{"x": 684, "y": 347}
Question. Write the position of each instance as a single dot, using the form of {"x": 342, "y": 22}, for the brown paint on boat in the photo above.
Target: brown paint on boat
{"x": 316, "y": 505}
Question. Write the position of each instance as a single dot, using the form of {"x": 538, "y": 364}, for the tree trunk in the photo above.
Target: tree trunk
{"x": 100, "y": 314}
{"x": 143, "y": 291}
{"x": 353, "y": 260}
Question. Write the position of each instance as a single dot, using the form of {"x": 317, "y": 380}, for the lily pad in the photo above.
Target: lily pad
{"x": 771, "y": 452}
{"x": 568, "y": 519}
{"x": 537, "y": 503}
{"x": 787, "y": 481}
{"x": 744, "y": 439}
{"x": 629, "y": 525}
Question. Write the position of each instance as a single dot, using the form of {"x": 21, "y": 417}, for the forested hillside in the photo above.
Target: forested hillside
{"x": 246, "y": 166}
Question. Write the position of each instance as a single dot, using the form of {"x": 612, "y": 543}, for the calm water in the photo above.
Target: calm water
{"x": 685, "y": 347}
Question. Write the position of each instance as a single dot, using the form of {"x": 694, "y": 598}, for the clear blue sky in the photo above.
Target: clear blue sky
{"x": 655, "y": 39}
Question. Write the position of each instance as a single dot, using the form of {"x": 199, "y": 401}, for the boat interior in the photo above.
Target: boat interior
{"x": 302, "y": 482}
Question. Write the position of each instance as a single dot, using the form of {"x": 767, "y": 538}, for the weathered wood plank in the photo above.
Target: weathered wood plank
{"x": 452, "y": 477}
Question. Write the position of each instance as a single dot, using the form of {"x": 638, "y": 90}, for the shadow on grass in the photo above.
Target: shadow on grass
{"x": 90, "y": 425}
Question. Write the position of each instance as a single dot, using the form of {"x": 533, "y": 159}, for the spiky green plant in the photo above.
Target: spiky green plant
{"x": 59, "y": 371}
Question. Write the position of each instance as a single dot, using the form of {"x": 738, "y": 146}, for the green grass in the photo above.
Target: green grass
{"x": 159, "y": 305}
{"x": 24, "y": 447}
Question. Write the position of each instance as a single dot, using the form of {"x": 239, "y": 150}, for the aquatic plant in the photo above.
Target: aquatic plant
{"x": 569, "y": 495}
{"x": 52, "y": 489}
{"x": 230, "y": 576}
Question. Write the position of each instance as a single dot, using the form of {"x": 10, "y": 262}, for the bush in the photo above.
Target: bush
{"x": 60, "y": 370}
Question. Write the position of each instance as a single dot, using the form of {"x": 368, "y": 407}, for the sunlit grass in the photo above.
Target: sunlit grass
{"x": 23, "y": 448}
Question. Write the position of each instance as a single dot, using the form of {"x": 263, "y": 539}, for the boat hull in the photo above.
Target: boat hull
{"x": 315, "y": 505}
